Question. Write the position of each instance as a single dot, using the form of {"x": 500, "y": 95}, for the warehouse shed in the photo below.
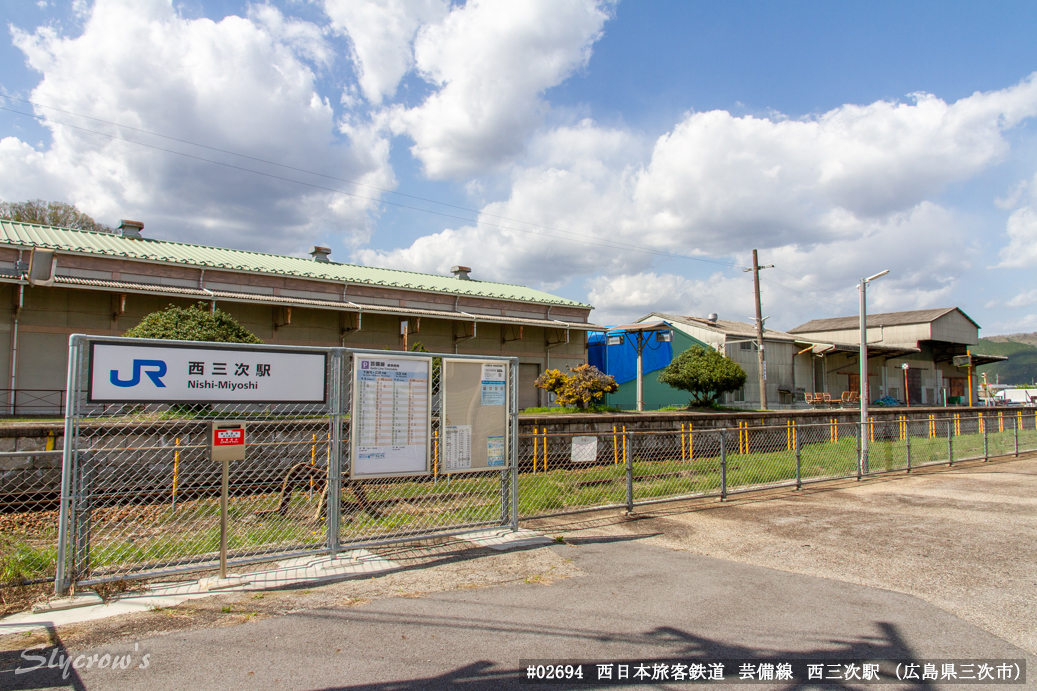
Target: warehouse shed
{"x": 104, "y": 284}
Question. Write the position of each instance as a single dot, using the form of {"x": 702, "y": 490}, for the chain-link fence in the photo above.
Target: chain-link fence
{"x": 142, "y": 497}
{"x": 632, "y": 468}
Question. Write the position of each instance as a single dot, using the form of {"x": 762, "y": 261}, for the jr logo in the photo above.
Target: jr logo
{"x": 156, "y": 370}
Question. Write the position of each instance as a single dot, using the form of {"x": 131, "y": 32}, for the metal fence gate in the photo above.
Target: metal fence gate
{"x": 141, "y": 498}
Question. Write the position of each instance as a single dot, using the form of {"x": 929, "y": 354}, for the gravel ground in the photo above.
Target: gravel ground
{"x": 963, "y": 539}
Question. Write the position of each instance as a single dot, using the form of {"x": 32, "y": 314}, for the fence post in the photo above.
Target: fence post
{"x": 513, "y": 472}
{"x": 61, "y": 580}
{"x": 1015, "y": 424}
{"x": 907, "y": 438}
{"x": 334, "y": 493}
{"x": 986, "y": 443}
{"x": 630, "y": 471}
{"x": 723, "y": 464}
{"x": 799, "y": 464}
{"x": 950, "y": 443}
{"x": 860, "y": 452}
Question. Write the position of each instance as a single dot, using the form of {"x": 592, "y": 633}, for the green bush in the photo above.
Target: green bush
{"x": 705, "y": 374}
{"x": 195, "y": 323}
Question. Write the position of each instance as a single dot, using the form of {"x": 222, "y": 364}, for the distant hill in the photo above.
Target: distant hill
{"x": 1029, "y": 339}
{"x": 1021, "y": 367}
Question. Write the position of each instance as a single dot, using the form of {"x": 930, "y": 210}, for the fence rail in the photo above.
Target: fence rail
{"x": 143, "y": 497}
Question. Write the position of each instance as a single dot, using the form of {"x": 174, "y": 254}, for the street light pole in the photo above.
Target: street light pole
{"x": 864, "y": 368}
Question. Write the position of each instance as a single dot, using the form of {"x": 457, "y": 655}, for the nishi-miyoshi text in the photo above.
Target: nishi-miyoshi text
{"x": 621, "y": 672}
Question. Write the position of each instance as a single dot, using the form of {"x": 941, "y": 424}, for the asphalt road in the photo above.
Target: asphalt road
{"x": 614, "y": 595}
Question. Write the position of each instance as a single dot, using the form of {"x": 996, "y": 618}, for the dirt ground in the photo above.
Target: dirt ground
{"x": 963, "y": 539}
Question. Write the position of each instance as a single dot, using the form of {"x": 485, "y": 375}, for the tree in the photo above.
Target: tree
{"x": 705, "y": 373}
{"x": 195, "y": 323}
{"x": 50, "y": 214}
{"x": 582, "y": 387}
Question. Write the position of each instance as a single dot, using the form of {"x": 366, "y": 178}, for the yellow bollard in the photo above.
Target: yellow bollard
{"x": 176, "y": 471}
{"x": 982, "y": 424}
{"x": 1000, "y": 422}
{"x": 794, "y": 444}
{"x": 536, "y": 439}
{"x": 615, "y": 447}
{"x": 691, "y": 444}
{"x": 684, "y": 455}
{"x": 435, "y": 452}
{"x": 788, "y": 435}
{"x": 545, "y": 449}
{"x": 624, "y": 444}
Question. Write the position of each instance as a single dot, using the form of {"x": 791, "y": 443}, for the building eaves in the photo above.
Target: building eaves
{"x": 723, "y": 327}
{"x": 344, "y": 306}
{"x": 28, "y": 235}
{"x": 881, "y": 319}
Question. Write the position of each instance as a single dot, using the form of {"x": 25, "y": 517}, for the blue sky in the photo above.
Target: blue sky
{"x": 627, "y": 154}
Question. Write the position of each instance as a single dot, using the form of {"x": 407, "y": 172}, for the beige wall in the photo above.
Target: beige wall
{"x": 50, "y": 315}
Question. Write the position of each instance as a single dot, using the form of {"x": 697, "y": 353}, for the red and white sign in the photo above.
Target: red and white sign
{"x": 229, "y": 437}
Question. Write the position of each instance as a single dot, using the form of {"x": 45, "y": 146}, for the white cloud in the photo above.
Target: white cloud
{"x": 1023, "y": 299}
{"x": 834, "y": 197}
{"x": 622, "y": 299}
{"x": 246, "y": 84}
{"x": 382, "y": 33}
{"x": 1021, "y": 251}
{"x": 489, "y": 62}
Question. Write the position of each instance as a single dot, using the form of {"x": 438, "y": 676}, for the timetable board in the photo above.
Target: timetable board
{"x": 475, "y": 430}
{"x": 391, "y": 418}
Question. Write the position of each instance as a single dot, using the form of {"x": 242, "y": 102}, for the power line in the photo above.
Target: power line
{"x": 577, "y": 237}
{"x": 312, "y": 172}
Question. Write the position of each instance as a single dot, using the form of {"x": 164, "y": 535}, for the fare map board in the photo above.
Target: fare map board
{"x": 391, "y": 422}
{"x": 475, "y": 415}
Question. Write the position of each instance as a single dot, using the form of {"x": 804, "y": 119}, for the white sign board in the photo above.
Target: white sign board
{"x": 126, "y": 373}
{"x": 585, "y": 449}
{"x": 392, "y": 423}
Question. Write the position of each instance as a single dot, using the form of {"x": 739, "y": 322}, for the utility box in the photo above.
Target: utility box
{"x": 227, "y": 440}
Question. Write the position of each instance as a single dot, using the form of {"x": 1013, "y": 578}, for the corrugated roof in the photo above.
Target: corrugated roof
{"x": 234, "y": 296}
{"x": 88, "y": 242}
{"x": 727, "y": 328}
{"x": 886, "y": 319}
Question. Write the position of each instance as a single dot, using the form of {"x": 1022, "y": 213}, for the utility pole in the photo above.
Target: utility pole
{"x": 761, "y": 360}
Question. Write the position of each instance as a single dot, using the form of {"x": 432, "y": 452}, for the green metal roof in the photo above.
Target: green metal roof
{"x": 89, "y": 242}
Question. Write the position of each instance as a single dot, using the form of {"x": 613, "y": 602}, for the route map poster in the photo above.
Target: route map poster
{"x": 391, "y": 416}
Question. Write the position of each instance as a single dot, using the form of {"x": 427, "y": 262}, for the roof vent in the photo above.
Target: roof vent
{"x": 713, "y": 316}
{"x": 461, "y": 272}
{"x": 130, "y": 229}
{"x": 320, "y": 254}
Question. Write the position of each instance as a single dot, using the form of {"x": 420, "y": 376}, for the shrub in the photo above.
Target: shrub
{"x": 583, "y": 386}
{"x": 704, "y": 373}
{"x": 195, "y": 323}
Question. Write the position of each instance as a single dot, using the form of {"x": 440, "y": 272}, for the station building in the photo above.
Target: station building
{"x": 103, "y": 284}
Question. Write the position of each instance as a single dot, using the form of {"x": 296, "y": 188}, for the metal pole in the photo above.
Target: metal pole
{"x": 640, "y": 377}
{"x": 513, "y": 471}
{"x": 799, "y": 465}
{"x": 223, "y": 519}
{"x": 950, "y": 444}
{"x": 907, "y": 437}
{"x": 61, "y": 584}
{"x": 1015, "y": 425}
{"x": 986, "y": 444}
{"x": 723, "y": 465}
{"x": 863, "y": 460}
{"x": 630, "y": 473}
{"x": 334, "y": 488}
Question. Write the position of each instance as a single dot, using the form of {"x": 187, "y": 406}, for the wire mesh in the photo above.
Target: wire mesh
{"x": 144, "y": 498}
